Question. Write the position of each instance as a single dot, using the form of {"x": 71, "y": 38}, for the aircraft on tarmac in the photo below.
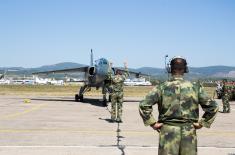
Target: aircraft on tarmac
{"x": 3, "y": 80}
{"x": 96, "y": 75}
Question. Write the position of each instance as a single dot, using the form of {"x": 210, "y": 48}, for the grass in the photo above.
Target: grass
{"x": 70, "y": 90}
{"x": 211, "y": 91}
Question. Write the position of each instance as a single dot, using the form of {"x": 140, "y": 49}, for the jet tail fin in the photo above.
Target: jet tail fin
{"x": 3, "y": 75}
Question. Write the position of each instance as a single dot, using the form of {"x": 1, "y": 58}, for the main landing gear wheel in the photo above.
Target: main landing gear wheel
{"x": 78, "y": 98}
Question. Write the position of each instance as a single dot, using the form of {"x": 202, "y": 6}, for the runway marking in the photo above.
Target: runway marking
{"x": 110, "y": 132}
{"x": 101, "y": 132}
{"x": 108, "y": 146}
{"x": 12, "y": 116}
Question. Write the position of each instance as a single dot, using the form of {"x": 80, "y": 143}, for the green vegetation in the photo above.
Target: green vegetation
{"x": 211, "y": 91}
{"x": 51, "y": 90}
{"x": 70, "y": 90}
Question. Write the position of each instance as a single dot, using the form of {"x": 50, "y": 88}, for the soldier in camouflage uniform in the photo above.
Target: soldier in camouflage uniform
{"x": 227, "y": 92}
{"x": 178, "y": 105}
{"x": 117, "y": 83}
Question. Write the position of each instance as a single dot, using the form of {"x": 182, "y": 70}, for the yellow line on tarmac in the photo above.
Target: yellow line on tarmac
{"x": 218, "y": 133}
{"x": 78, "y": 131}
{"x": 12, "y": 116}
{"x": 111, "y": 132}
{"x": 91, "y": 132}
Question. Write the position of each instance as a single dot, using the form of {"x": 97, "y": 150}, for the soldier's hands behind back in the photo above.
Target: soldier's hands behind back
{"x": 157, "y": 126}
{"x": 197, "y": 125}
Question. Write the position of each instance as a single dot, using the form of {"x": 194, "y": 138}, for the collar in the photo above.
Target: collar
{"x": 176, "y": 77}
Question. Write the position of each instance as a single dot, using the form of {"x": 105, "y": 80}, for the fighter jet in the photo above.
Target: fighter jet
{"x": 95, "y": 75}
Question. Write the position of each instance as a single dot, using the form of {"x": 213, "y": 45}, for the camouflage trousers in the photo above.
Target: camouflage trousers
{"x": 116, "y": 103}
{"x": 225, "y": 101}
{"x": 177, "y": 140}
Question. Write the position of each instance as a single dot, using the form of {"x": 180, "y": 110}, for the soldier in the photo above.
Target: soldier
{"x": 117, "y": 83}
{"x": 178, "y": 105}
{"x": 226, "y": 96}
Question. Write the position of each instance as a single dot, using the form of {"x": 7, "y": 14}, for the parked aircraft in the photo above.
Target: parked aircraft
{"x": 95, "y": 75}
{"x": 3, "y": 80}
{"x": 41, "y": 81}
{"x": 137, "y": 82}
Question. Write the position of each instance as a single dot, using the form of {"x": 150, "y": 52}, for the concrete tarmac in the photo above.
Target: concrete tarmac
{"x": 60, "y": 126}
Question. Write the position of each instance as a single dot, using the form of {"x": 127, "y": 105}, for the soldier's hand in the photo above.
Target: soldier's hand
{"x": 111, "y": 64}
{"x": 125, "y": 64}
{"x": 197, "y": 125}
{"x": 157, "y": 126}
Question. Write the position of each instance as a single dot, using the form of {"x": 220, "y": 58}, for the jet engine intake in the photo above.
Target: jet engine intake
{"x": 92, "y": 71}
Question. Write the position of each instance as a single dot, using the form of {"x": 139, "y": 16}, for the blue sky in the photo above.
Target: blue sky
{"x": 43, "y": 32}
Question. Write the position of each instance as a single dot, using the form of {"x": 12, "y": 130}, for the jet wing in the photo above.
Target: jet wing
{"x": 80, "y": 69}
{"x": 132, "y": 73}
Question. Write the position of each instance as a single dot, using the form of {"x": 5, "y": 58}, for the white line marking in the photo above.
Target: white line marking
{"x": 108, "y": 146}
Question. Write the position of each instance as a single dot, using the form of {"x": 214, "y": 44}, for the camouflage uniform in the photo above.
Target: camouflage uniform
{"x": 117, "y": 95}
{"x": 227, "y": 92}
{"x": 178, "y": 108}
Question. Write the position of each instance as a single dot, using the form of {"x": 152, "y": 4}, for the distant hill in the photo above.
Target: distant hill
{"x": 151, "y": 71}
{"x": 195, "y": 72}
{"x": 212, "y": 70}
{"x": 29, "y": 71}
{"x": 63, "y": 65}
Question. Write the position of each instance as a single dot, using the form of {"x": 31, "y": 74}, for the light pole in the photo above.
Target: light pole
{"x": 166, "y": 66}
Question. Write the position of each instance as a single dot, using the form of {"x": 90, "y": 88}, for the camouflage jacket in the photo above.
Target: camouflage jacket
{"x": 117, "y": 81}
{"x": 178, "y": 102}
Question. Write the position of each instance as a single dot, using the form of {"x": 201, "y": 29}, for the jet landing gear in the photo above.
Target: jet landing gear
{"x": 78, "y": 98}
